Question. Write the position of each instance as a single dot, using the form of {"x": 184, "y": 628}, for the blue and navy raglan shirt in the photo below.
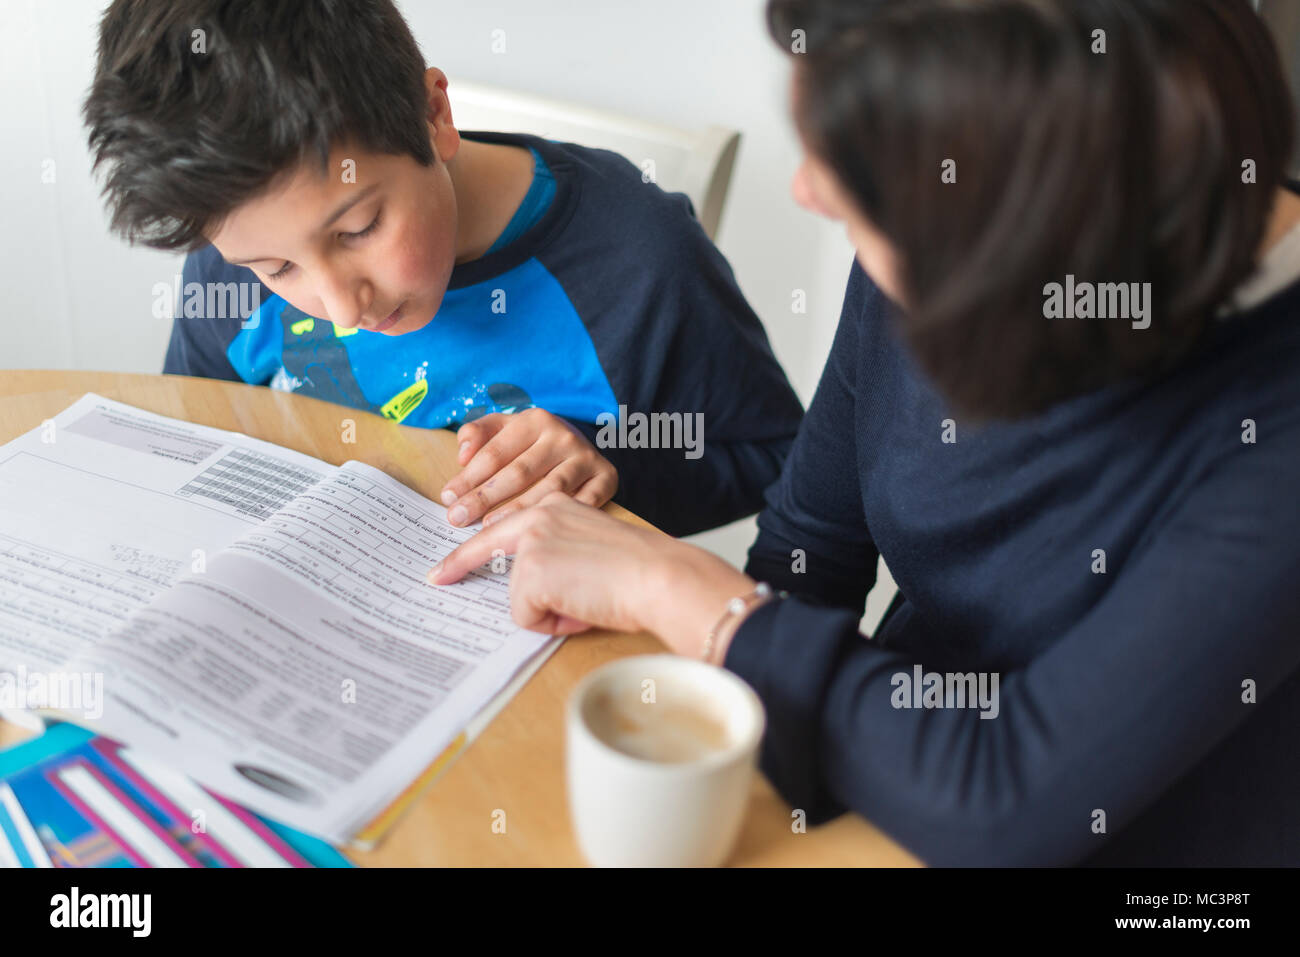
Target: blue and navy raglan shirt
{"x": 603, "y": 291}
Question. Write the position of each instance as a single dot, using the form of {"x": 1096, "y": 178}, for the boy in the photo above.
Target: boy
{"x": 537, "y": 295}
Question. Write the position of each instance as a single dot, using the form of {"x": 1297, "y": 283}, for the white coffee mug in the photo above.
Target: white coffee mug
{"x": 632, "y": 811}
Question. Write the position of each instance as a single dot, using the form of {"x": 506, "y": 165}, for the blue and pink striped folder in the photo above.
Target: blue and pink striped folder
{"x": 72, "y": 799}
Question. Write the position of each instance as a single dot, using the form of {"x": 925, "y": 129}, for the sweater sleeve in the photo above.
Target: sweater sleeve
{"x": 682, "y": 496}
{"x": 199, "y": 341}
{"x": 1125, "y": 702}
{"x": 813, "y": 539}
{"x": 675, "y": 335}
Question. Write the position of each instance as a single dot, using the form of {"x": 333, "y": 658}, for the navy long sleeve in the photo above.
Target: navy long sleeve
{"x": 1121, "y": 686}
{"x": 813, "y": 537}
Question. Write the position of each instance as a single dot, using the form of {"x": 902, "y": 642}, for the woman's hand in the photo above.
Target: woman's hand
{"x": 576, "y": 567}
{"x": 532, "y": 452}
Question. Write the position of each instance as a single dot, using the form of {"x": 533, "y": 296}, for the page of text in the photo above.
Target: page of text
{"x": 311, "y": 672}
{"x": 104, "y": 506}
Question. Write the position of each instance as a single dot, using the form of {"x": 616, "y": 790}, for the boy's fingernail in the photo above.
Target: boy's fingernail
{"x": 463, "y": 447}
{"x": 458, "y": 515}
{"x": 434, "y": 572}
{"x": 448, "y": 496}
{"x": 489, "y": 519}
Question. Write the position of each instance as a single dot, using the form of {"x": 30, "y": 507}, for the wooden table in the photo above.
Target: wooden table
{"x": 517, "y": 763}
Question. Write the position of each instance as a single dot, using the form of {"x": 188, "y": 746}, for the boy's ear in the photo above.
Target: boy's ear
{"x": 442, "y": 131}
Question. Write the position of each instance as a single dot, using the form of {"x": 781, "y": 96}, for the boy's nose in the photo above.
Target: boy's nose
{"x": 341, "y": 297}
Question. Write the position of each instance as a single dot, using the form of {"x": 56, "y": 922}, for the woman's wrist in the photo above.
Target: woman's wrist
{"x": 690, "y": 597}
{"x": 738, "y": 611}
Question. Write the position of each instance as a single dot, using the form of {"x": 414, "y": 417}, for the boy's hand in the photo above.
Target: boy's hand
{"x": 532, "y": 452}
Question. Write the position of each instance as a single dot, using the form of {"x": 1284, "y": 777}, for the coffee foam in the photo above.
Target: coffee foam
{"x": 671, "y": 731}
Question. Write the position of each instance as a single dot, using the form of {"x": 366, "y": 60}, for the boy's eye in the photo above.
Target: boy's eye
{"x": 284, "y": 270}
{"x": 365, "y": 232}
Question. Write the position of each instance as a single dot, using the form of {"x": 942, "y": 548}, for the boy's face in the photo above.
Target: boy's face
{"x": 370, "y": 243}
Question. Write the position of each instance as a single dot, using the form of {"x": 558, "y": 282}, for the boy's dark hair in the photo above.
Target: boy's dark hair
{"x": 191, "y": 124}
{"x": 1122, "y": 166}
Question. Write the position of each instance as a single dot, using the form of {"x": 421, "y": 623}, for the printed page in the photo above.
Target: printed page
{"x": 104, "y": 506}
{"x": 311, "y": 672}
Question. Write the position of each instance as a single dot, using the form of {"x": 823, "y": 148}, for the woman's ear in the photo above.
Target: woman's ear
{"x": 442, "y": 131}
{"x": 804, "y": 191}
{"x": 816, "y": 188}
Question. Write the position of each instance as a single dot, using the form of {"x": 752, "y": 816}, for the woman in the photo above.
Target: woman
{"x": 1062, "y": 404}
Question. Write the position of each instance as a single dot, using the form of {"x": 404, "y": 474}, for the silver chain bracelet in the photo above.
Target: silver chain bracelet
{"x": 737, "y": 606}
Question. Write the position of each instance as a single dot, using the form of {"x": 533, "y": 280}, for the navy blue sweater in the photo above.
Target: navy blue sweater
{"x": 1123, "y": 696}
{"x": 614, "y": 300}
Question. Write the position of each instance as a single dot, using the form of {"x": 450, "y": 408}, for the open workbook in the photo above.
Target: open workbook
{"x": 255, "y": 617}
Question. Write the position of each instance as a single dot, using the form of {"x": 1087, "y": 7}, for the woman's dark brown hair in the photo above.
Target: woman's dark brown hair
{"x": 1117, "y": 141}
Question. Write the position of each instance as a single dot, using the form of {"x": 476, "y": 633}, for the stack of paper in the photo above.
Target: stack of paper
{"x": 253, "y": 617}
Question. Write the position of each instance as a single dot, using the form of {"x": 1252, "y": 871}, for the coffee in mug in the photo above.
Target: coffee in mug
{"x": 660, "y": 760}
{"x": 670, "y": 732}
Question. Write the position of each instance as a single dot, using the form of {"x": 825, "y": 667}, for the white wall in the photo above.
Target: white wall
{"x": 76, "y": 297}
{"x": 70, "y": 296}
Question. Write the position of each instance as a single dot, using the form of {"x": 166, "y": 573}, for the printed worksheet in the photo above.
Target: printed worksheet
{"x": 304, "y": 666}
{"x": 104, "y": 506}
{"x": 312, "y": 665}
